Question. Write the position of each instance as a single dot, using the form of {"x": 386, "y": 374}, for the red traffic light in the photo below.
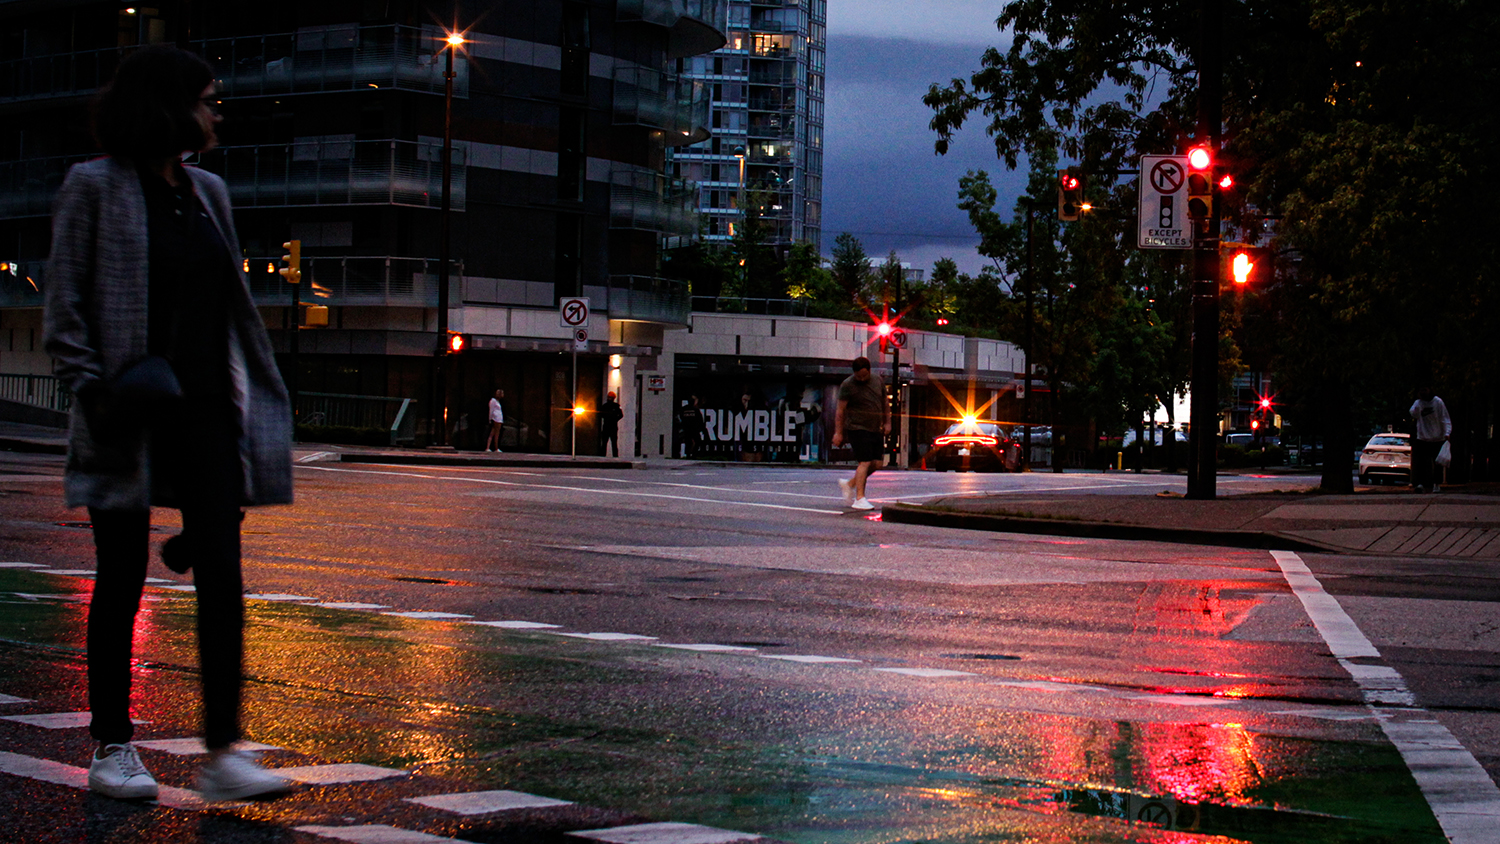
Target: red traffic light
{"x": 1241, "y": 266}
{"x": 1265, "y": 403}
{"x": 457, "y": 342}
{"x": 1226, "y": 182}
{"x": 1200, "y": 158}
{"x": 884, "y": 329}
{"x": 1068, "y": 181}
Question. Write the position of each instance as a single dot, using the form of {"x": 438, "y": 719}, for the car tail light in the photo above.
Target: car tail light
{"x": 965, "y": 438}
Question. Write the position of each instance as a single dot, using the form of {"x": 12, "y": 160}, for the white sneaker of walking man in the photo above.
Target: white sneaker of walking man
{"x": 863, "y": 420}
{"x": 117, "y": 771}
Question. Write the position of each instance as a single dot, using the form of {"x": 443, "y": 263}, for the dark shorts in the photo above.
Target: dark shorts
{"x": 867, "y": 445}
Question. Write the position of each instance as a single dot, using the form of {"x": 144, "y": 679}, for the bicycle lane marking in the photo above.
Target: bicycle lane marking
{"x": 1463, "y": 798}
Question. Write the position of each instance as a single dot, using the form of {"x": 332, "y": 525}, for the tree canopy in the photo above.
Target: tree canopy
{"x": 1362, "y": 156}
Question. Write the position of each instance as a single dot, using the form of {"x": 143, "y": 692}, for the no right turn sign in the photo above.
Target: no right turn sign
{"x": 1163, "y": 220}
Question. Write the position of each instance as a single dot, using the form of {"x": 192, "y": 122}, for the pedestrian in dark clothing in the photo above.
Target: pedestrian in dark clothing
{"x": 145, "y": 263}
{"x": 610, "y": 415}
{"x": 863, "y": 419}
{"x": 690, "y": 423}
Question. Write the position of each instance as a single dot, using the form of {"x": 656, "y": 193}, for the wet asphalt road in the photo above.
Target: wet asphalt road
{"x": 835, "y": 678}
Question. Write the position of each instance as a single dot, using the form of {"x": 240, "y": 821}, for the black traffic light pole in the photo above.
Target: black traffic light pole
{"x": 1202, "y": 462}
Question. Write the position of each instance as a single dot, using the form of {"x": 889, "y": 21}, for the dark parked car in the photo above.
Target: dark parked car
{"x": 973, "y": 446}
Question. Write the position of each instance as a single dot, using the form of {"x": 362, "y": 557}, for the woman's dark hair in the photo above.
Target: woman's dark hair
{"x": 147, "y": 111}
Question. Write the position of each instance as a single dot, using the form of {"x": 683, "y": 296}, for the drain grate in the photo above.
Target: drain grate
{"x": 981, "y": 656}
{"x": 434, "y": 580}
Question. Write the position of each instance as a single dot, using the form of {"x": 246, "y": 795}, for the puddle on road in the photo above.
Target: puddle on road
{"x": 655, "y": 732}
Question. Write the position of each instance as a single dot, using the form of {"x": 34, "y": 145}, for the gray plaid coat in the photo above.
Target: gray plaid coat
{"x": 95, "y": 325}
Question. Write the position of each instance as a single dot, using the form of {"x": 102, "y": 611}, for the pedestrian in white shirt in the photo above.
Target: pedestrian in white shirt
{"x": 1434, "y": 426}
{"x": 497, "y": 421}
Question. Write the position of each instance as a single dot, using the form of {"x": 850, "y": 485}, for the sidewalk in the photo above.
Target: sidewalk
{"x": 1458, "y": 522}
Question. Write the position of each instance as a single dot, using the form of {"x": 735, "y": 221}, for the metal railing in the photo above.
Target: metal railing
{"x": 345, "y": 57}
{"x": 676, "y": 105}
{"x": 739, "y": 305}
{"x": 59, "y": 75}
{"x": 715, "y": 13}
{"x": 651, "y": 201}
{"x": 37, "y": 390}
{"x": 338, "y": 172}
{"x": 648, "y": 298}
{"x": 28, "y": 185}
{"x": 387, "y": 413}
{"x": 354, "y": 280}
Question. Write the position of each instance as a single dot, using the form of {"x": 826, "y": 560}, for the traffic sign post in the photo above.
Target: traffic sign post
{"x": 573, "y": 312}
{"x": 1163, "y": 221}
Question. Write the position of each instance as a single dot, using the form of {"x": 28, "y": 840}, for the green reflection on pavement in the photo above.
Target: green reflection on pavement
{"x": 676, "y": 736}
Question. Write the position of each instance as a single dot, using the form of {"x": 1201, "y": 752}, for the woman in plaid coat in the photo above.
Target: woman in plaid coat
{"x": 145, "y": 261}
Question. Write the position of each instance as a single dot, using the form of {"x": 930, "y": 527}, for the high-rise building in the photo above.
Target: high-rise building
{"x": 561, "y": 112}
{"x": 766, "y": 91}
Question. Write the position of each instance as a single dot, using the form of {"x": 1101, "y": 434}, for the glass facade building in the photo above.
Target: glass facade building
{"x": 766, "y": 89}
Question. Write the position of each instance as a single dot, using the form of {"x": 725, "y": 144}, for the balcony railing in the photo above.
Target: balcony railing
{"x": 697, "y": 26}
{"x": 60, "y": 75}
{"x": 28, "y": 185}
{"x": 354, "y": 280}
{"x": 338, "y": 172}
{"x": 36, "y": 390}
{"x": 649, "y": 299}
{"x": 650, "y": 201}
{"x": 21, "y": 284}
{"x": 344, "y": 57}
{"x": 676, "y": 105}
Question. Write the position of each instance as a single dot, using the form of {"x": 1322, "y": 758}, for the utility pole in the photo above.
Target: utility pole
{"x": 1205, "y": 372}
{"x": 1030, "y": 338}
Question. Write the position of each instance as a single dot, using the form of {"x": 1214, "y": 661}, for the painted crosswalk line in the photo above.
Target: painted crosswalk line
{"x": 666, "y": 833}
{"x": 810, "y": 659}
{"x": 485, "y": 802}
{"x": 338, "y": 773}
{"x": 517, "y": 625}
{"x": 195, "y": 746}
{"x": 58, "y": 720}
{"x": 428, "y": 614}
{"x": 375, "y": 834}
{"x": 927, "y": 672}
{"x": 13, "y": 699}
{"x": 609, "y": 637}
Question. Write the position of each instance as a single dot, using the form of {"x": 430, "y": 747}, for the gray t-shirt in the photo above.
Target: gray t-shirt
{"x": 866, "y": 403}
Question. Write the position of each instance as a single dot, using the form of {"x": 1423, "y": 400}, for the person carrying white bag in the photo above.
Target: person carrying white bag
{"x": 1429, "y": 442}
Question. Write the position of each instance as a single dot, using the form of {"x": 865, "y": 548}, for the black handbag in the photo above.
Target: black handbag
{"x": 147, "y": 386}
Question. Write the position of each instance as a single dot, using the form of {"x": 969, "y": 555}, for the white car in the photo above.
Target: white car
{"x": 1386, "y": 457}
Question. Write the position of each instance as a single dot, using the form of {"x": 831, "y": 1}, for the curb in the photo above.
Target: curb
{"x": 520, "y": 462}
{"x": 32, "y": 446}
{"x": 1249, "y": 539}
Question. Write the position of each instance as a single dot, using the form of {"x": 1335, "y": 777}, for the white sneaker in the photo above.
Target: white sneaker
{"x": 862, "y": 504}
{"x": 117, "y": 771}
{"x": 846, "y": 486}
{"x": 235, "y": 775}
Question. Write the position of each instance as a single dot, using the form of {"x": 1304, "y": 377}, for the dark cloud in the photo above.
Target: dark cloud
{"x": 882, "y": 180}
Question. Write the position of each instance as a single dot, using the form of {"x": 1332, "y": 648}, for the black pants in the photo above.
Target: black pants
{"x": 608, "y": 439}
{"x": 1423, "y": 456}
{"x": 204, "y": 458}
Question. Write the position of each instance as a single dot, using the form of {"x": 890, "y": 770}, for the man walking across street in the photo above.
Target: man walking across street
{"x": 863, "y": 419}
{"x": 1433, "y": 429}
{"x": 497, "y": 422}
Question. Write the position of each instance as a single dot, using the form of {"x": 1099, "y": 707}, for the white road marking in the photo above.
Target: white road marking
{"x": 375, "y": 834}
{"x": 421, "y": 614}
{"x": 337, "y": 774}
{"x": 666, "y": 833}
{"x": 195, "y": 746}
{"x": 181, "y": 587}
{"x": 608, "y": 637}
{"x": 810, "y": 659}
{"x": 517, "y": 625}
{"x": 21, "y": 566}
{"x": 622, "y": 493}
{"x": 485, "y": 802}
{"x": 277, "y": 596}
{"x": 14, "y": 699}
{"x": 70, "y": 572}
{"x": 316, "y": 456}
{"x": 58, "y": 720}
{"x": 711, "y": 649}
{"x": 927, "y": 672}
{"x": 1462, "y": 796}
{"x": 43, "y": 770}
{"x": 352, "y": 605}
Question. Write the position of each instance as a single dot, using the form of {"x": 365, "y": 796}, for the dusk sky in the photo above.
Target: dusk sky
{"x": 882, "y": 181}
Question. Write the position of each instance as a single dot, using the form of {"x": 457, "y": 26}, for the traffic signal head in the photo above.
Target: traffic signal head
{"x": 457, "y": 342}
{"x": 1242, "y": 266}
{"x": 291, "y": 269}
{"x": 1070, "y": 204}
{"x": 1200, "y": 158}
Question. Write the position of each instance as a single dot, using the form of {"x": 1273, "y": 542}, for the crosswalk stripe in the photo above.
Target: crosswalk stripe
{"x": 428, "y": 614}
{"x": 43, "y": 769}
{"x": 195, "y": 746}
{"x": 485, "y": 802}
{"x": 338, "y": 773}
{"x": 517, "y": 625}
{"x": 14, "y": 699}
{"x": 810, "y": 659}
{"x": 375, "y": 834}
{"x": 666, "y": 833}
{"x": 58, "y": 720}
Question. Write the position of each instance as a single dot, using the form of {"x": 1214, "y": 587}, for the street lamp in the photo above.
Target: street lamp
{"x": 453, "y": 43}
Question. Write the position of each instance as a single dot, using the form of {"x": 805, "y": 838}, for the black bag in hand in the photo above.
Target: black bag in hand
{"x": 147, "y": 388}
